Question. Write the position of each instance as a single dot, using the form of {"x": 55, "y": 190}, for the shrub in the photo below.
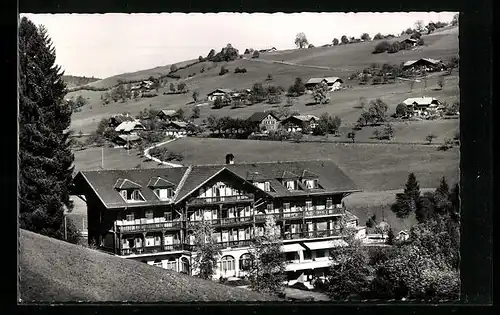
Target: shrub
{"x": 240, "y": 70}
{"x": 420, "y": 42}
{"x": 269, "y": 77}
{"x": 394, "y": 48}
{"x": 430, "y": 137}
{"x": 381, "y": 47}
{"x": 402, "y": 110}
{"x": 223, "y": 70}
{"x": 256, "y": 54}
{"x": 173, "y": 68}
{"x": 377, "y": 80}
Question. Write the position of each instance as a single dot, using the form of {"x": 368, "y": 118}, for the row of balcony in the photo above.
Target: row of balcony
{"x": 225, "y": 244}
{"x": 257, "y": 218}
{"x": 220, "y": 199}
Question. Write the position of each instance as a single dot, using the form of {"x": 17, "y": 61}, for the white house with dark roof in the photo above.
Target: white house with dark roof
{"x": 223, "y": 93}
{"x": 300, "y": 122}
{"x": 149, "y": 214}
{"x": 128, "y": 127}
{"x": 333, "y": 83}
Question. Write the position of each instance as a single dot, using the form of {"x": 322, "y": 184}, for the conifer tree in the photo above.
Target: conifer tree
{"x": 45, "y": 157}
{"x": 267, "y": 270}
{"x": 407, "y": 202}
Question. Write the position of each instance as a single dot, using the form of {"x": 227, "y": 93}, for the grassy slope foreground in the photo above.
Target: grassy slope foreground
{"x": 52, "y": 270}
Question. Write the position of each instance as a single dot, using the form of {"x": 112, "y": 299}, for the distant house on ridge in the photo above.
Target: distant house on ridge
{"x": 333, "y": 83}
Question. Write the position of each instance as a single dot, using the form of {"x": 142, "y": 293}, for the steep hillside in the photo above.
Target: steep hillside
{"x": 348, "y": 58}
{"x": 339, "y": 61}
{"x": 52, "y": 270}
{"x": 74, "y": 81}
{"x": 137, "y": 75}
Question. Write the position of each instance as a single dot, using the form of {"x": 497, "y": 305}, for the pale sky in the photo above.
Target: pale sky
{"x": 103, "y": 45}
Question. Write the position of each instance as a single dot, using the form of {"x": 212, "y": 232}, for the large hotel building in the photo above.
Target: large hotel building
{"x": 148, "y": 214}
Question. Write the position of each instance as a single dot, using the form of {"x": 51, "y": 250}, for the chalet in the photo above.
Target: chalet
{"x": 116, "y": 120}
{"x": 425, "y": 64}
{"x": 333, "y": 83}
{"x": 409, "y": 42}
{"x": 167, "y": 115}
{"x": 149, "y": 215}
{"x": 420, "y": 103}
{"x": 129, "y": 127}
{"x": 300, "y": 122}
{"x": 265, "y": 120}
{"x": 223, "y": 93}
{"x": 177, "y": 128}
{"x": 127, "y": 140}
{"x": 273, "y": 49}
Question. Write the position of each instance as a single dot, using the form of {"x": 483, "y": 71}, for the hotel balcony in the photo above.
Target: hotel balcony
{"x": 154, "y": 249}
{"x": 201, "y": 201}
{"x": 149, "y": 227}
{"x": 311, "y": 234}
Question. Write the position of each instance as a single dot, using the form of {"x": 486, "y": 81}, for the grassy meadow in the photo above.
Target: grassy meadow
{"x": 343, "y": 59}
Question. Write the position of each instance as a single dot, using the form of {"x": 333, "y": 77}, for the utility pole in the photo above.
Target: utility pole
{"x": 102, "y": 157}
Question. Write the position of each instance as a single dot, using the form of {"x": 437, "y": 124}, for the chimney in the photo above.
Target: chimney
{"x": 229, "y": 158}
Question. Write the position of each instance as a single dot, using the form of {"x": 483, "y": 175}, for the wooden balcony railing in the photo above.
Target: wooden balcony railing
{"x": 153, "y": 249}
{"x": 169, "y": 225}
{"x": 311, "y": 234}
{"x": 220, "y": 199}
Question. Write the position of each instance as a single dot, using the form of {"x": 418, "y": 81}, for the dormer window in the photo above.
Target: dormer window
{"x": 164, "y": 193}
{"x": 131, "y": 195}
{"x": 162, "y": 188}
{"x": 311, "y": 183}
{"x": 265, "y": 186}
{"x": 291, "y": 184}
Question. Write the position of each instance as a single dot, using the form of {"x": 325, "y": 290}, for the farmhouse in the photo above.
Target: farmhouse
{"x": 224, "y": 93}
{"x": 149, "y": 215}
{"x": 334, "y": 83}
{"x": 127, "y": 140}
{"x": 116, "y": 120}
{"x": 411, "y": 42}
{"x": 422, "y": 102}
{"x": 265, "y": 120}
{"x": 424, "y": 64}
{"x": 177, "y": 128}
{"x": 300, "y": 122}
{"x": 167, "y": 115}
{"x": 128, "y": 127}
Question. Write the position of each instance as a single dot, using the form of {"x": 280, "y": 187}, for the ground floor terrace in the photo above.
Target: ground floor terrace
{"x": 305, "y": 259}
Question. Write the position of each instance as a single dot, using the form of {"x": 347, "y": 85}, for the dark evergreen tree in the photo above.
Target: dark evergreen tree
{"x": 406, "y": 203}
{"x": 45, "y": 157}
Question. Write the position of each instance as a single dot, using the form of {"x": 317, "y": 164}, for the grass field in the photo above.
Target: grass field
{"x": 91, "y": 159}
{"x": 344, "y": 58}
{"x": 52, "y": 270}
{"x": 347, "y": 58}
{"x": 373, "y": 167}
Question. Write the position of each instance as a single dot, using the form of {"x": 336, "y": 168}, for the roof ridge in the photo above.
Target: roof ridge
{"x": 183, "y": 180}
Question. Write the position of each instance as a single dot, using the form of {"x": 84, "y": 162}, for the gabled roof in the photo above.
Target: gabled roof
{"x": 224, "y": 91}
{"x": 129, "y": 126}
{"x": 420, "y": 101}
{"x": 200, "y": 175}
{"x": 333, "y": 79}
{"x": 259, "y": 116}
{"x": 429, "y": 60}
{"x": 159, "y": 182}
{"x": 306, "y": 174}
{"x": 178, "y": 124}
{"x": 187, "y": 179}
{"x": 306, "y": 117}
{"x": 130, "y": 138}
{"x": 288, "y": 175}
{"x": 327, "y": 79}
{"x": 167, "y": 112}
{"x": 123, "y": 183}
